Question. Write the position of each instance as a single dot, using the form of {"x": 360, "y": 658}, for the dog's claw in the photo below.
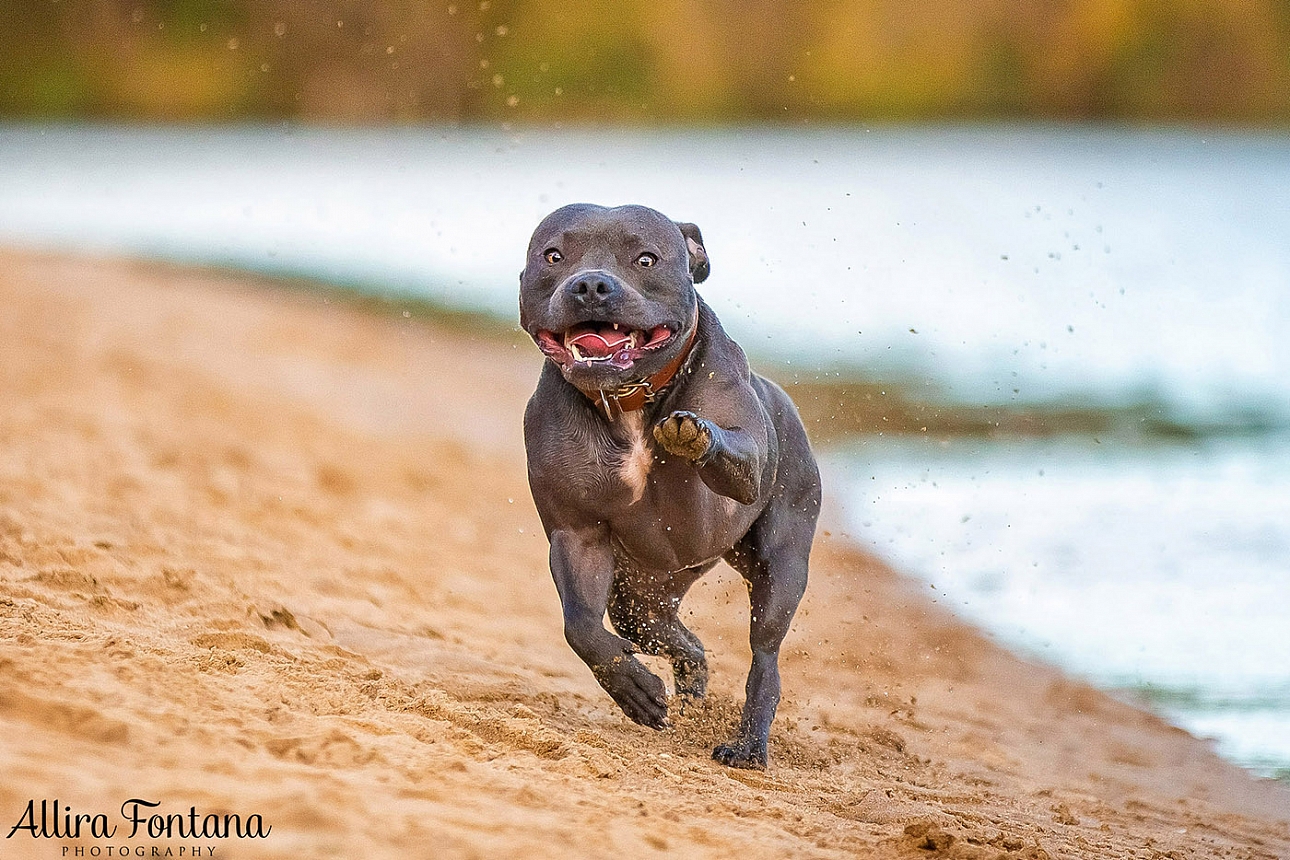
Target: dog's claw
{"x": 684, "y": 434}
{"x": 742, "y": 754}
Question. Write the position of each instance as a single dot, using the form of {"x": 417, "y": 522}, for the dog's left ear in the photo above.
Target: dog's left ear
{"x": 699, "y": 265}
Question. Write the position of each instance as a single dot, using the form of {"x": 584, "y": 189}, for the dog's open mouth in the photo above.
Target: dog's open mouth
{"x": 611, "y": 342}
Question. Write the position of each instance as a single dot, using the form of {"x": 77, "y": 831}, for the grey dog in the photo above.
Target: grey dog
{"x": 653, "y": 453}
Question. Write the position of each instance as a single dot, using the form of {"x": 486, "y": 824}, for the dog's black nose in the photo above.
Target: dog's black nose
{"x": 592, "y": 288}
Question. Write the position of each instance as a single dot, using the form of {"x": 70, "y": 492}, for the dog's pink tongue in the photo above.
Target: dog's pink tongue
{"x": 600, "y": 342}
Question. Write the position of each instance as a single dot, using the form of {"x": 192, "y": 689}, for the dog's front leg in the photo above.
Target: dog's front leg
{"x": 729, "y": 460}
{"x": 582, "y": 564}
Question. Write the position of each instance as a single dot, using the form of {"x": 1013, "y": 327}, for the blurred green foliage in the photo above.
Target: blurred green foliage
{"x": 671, "y": 61}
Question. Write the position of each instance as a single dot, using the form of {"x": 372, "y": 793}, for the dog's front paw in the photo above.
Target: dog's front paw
{"x": 638, "y": 691}
{"x": 743, "y": 753}
{"x": 685, "y": 435}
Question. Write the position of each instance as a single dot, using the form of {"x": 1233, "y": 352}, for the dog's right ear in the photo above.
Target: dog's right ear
{"x": 700, "y": 268}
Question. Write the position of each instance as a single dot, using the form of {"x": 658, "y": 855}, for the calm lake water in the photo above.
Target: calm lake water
{"x": 1071, "y": 267}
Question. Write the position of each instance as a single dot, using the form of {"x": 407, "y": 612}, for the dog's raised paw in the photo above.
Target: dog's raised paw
{"x": 685, "y": 435}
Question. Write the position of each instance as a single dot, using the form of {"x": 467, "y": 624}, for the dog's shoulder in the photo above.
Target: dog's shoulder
{"x": 716, "y": 381}
{"x": 716, "y": 348}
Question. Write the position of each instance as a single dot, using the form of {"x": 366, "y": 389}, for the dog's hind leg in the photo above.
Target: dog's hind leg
{"x": 651, "y": 622}
{"x": 773, "y": 559}
{"x": 689, "y": 665}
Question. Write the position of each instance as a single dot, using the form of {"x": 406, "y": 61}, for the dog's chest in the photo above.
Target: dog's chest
{"x": 633, "y": 465}
{"x": 604, "y": 468}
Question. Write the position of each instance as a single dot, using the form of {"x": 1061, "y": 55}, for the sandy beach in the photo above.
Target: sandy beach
{"x": 265, "y": 552}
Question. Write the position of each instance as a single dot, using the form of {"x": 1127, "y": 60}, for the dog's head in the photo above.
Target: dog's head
{"x": 608, "y": 294}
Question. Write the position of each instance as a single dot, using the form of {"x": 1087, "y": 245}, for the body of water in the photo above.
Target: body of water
{"x": 1160, "y": 570}
{"x": 1057, "y": 267}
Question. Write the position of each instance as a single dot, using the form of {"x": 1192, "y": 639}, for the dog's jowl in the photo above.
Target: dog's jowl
{"x": 653, "y": 453}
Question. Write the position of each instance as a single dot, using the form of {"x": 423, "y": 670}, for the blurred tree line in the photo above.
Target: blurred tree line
{"x": 642, "y": 61}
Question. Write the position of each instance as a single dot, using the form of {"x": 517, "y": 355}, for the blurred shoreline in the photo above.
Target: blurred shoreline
{"x": 838, "y": 403}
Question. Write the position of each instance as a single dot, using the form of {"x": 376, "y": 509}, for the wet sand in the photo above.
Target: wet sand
{"x": 267, "y": 553}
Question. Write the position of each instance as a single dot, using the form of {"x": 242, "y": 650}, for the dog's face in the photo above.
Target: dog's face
{"x": 608, "y": 294}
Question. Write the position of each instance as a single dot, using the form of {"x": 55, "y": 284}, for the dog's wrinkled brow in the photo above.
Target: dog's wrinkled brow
{"x": 599, "y": 234}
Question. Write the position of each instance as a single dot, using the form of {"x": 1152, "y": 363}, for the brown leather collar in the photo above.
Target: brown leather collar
{"x": 632, "y": 396}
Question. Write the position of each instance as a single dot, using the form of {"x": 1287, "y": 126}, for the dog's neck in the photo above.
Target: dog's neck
{"x": 632, "y": 396}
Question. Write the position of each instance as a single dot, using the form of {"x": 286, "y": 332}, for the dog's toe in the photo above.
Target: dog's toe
{"x": 742, "y": 755}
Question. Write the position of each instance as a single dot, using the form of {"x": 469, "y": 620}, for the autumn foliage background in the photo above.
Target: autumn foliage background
{"x": 662, "y": 61}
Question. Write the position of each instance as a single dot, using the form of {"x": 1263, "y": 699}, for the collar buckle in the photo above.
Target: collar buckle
{"x": 630, "y": 391}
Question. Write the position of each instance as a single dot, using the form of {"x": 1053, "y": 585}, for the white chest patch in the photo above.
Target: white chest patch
{"x": 634, "y": 468}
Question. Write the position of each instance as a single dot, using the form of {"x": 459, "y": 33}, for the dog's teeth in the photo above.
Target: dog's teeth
{"x": 615, "y": 326}
{"x": 577, "y": 353}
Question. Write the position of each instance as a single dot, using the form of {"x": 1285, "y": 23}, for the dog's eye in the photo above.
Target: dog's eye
{"x": 646, "y": 260}
{"x": 552, "y": 256}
